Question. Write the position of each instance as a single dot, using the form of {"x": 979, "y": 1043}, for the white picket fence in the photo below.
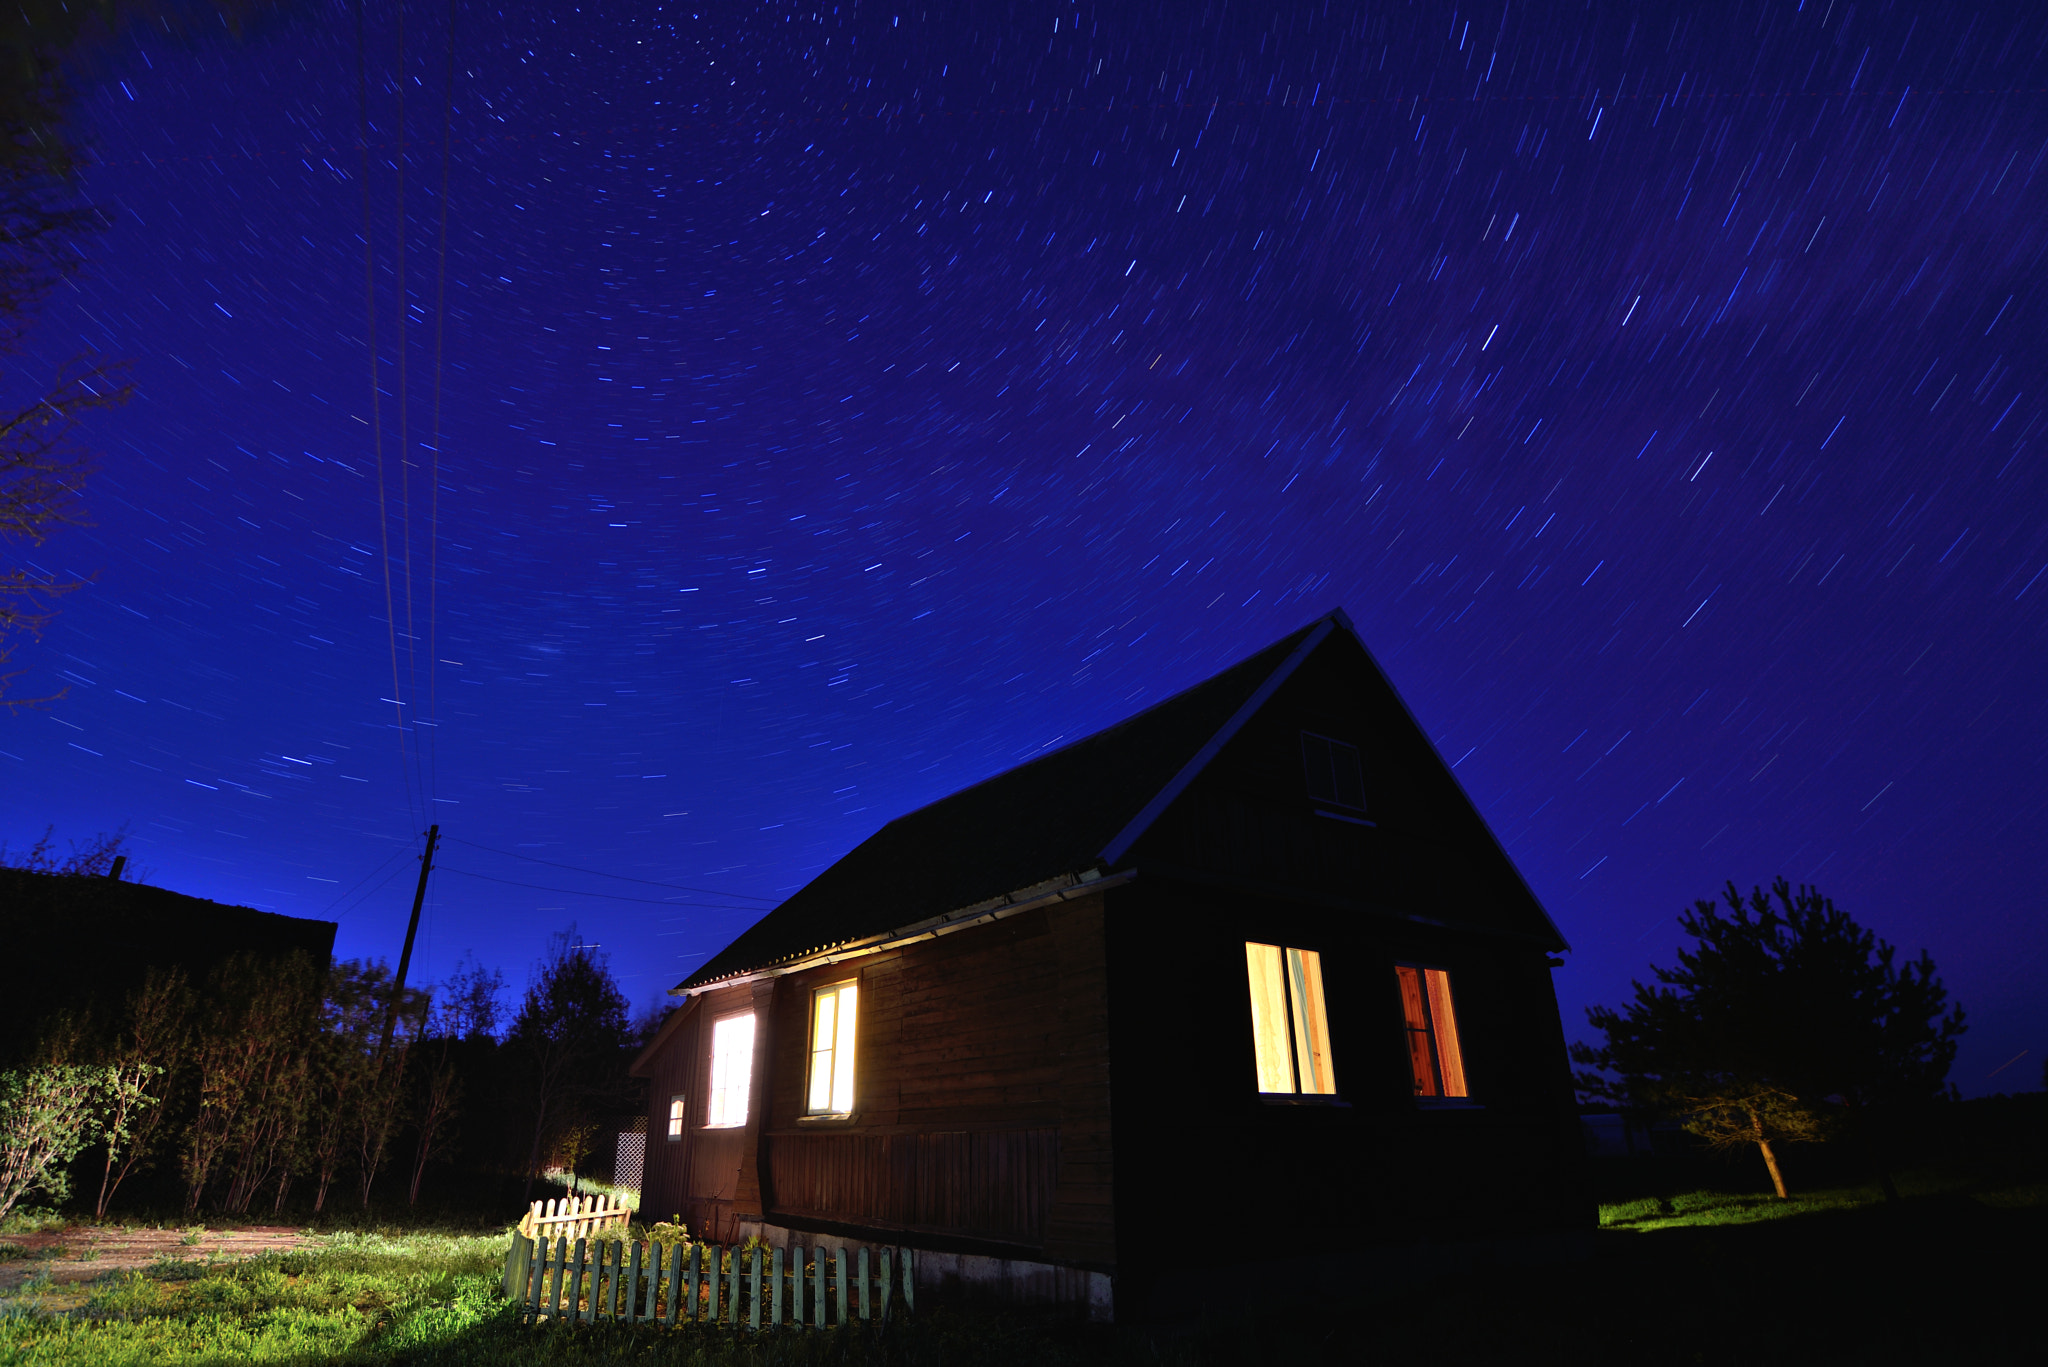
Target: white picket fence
{"x": 573, "y": 1217}
{"x": 583, "y": 1281}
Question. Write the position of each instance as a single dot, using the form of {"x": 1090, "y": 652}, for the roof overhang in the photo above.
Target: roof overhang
{"x": 1064, "y": 888}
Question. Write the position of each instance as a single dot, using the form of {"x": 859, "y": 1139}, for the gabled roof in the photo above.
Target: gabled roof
{"x": 1077, "y": 809}
{"x": 1056, "y": 814}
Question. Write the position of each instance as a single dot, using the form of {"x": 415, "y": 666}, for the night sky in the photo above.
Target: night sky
{"x": 840, "y": 405}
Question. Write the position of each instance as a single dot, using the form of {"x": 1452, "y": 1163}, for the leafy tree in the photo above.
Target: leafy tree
{"x": 1786, "y": 1021}
{"x": 569, "y": 1039}
{"x": 252, "y": 1064}
{"x": 466, "y": 1013}
{"x": 148, "y": 1063}
{"x": 48, "y": 1113}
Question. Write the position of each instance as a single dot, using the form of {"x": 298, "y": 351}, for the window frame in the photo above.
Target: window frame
{"x": 851, "y": 1049}
{"x": 678, "y": 1116}
{"x": 1278, "y": 1025}
{"x": 712, "y": 1091}
{"x": 1345, "y": 811}
{"x": 1446, "y": 1068}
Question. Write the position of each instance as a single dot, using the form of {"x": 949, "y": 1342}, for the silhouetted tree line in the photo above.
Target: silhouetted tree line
{"x": 261, "y": 1083}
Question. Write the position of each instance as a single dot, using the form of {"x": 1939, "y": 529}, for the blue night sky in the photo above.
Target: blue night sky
{"x": 842, "y": 404}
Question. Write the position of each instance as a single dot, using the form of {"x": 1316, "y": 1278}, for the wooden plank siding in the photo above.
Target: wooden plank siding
{"x": 984, "y": 1184}
{"x": 981, "y": 1112}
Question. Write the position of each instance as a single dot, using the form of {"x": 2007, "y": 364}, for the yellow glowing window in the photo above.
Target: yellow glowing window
{"x": 675, "y": 1117}
{"x": 732, "y": 1067}
{"x": 1433, "y": 1055}
{"x": 832, "y": 1020}
{"x": 1290, "y": 1028}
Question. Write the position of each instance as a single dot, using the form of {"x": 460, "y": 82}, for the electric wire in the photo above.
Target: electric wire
{"x": 607, "y": 896}
{"x": 350, "y": 892}
{"x": 650, "y": 882}
{"x": 370, "y": 892}
{"x": 376, "y": 403}
{"x": 434, "y": 466}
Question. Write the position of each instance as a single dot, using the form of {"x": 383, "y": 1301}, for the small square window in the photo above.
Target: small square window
{"x": 732, "y": 1068}
{"x": 1333, "y": 771}
{"x": 1290, "y": 1028}
{"x": 675, "y": 1118}
{"x": 1434, "y": 1058}
{"x": 832, "y": 1020}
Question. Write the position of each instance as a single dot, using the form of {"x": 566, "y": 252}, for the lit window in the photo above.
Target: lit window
{"x": 675, "y": 1117}
{"x": 732, "y": 1064}
{"x": 1333, "y": 772}
{"x": 1433, "y": 1054}
{"x": 832, "y": 1018}
{"x": 1290, "y": 1029}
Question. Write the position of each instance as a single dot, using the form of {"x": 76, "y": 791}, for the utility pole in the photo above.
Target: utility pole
{"x": 412, "y": 930}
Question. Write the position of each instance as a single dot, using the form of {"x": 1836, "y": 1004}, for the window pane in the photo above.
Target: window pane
{"x": 1269, "y": 1017}
{"x": 1311, "y": 1022}
{"x": 1449, "y": 1059}
{"x": 1421, "y": 1054}
{"x": 1348, "y": 780}
{"x": 842, "y": 1053}
{"x": 732, "y": 1057}
{"x": 1315, "y": 763}
{"x": 675, "y": 1117}
{"x": 823, "y": 1014}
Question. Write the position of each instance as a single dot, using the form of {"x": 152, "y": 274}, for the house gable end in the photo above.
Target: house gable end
{"x": 1417, "y": 849}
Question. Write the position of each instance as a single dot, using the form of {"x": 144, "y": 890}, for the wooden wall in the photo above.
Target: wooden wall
{"x": 981, "y": 1116}
{"x": 1243, "y": 855}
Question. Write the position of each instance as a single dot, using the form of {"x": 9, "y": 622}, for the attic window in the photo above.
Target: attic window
{"x": 1435, "y": 1060}
{"x": 1290, "y": 1029}
{"x": 832, "y": 1021}
{"x": 732, "y": 1066}
{"x": 1333, "y": 772}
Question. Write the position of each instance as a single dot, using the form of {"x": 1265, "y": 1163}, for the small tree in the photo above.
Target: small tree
{"x": 150, "y": 1054}
{"x": 467, "y": 1011}
{"x": 1785, "y": 1020}
{"x": 569, "y": 1039}
{"x": 47, "y": 1114}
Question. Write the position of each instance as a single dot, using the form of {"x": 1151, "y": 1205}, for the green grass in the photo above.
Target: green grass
{"x": 1949, "y": 1274}
{"x": 1705, "y": 1209}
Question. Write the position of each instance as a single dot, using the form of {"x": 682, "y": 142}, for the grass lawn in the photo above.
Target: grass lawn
{"x": 1952, "y": 1274}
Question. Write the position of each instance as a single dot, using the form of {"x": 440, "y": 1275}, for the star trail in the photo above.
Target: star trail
{"x": 836, "y": 405}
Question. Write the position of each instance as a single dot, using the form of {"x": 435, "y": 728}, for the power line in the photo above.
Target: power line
{"x": 376, "y": 408}
{"x": 608, "y": 896}
{"x": 364, "y": 879}
{"x": 600, "y": 873}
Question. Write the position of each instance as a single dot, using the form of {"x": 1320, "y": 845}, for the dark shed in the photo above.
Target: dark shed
{"x": 87, "y": 942}
{"x": 1245, "y": 969}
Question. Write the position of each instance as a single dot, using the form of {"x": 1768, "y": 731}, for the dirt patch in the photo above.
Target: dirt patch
{"x": 85, "y": 1253}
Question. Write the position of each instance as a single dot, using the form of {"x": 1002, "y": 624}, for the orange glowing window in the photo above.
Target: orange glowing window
{"x": 832, "y": 1020}
{"x": 675, "y": 1117}
{"x": 1290, "y": 1028}
{"x": 1433, "y": 1055}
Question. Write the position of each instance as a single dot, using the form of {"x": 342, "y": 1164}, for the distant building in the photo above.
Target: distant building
{"x": 1246, "y": 972}
{"x": 83, "y": 944}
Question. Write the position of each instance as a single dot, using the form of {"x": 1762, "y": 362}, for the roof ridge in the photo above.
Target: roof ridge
{"x": 1131, "y": 720}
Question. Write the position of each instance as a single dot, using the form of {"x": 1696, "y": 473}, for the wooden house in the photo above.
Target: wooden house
{"x": 1244, "y": 975}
